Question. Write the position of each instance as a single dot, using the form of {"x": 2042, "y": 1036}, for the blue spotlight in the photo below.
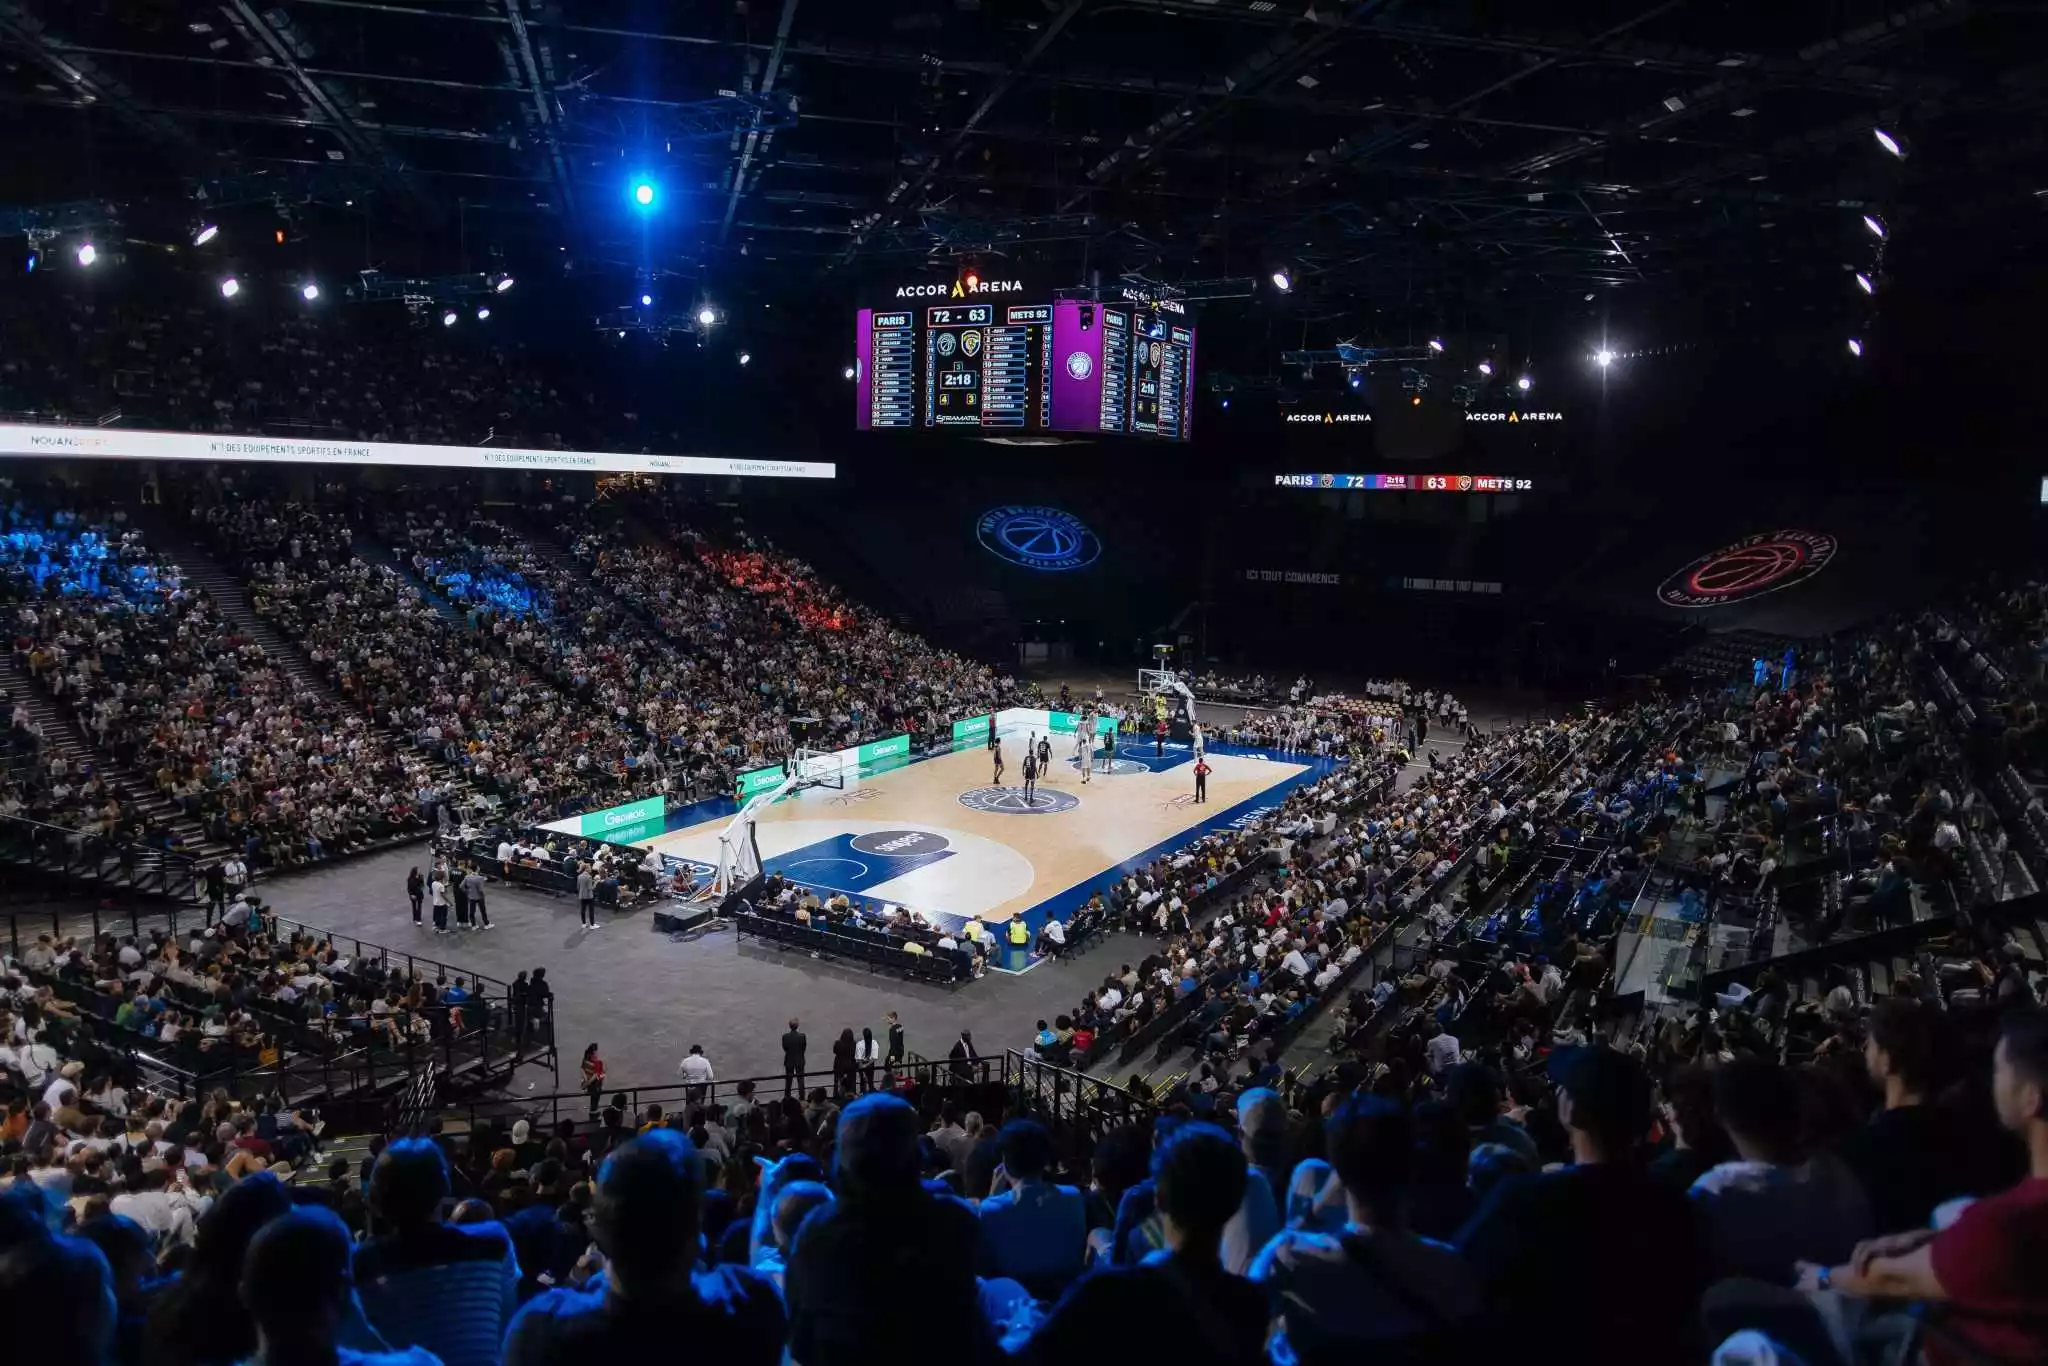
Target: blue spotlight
{"x": 644, "y": 193}
{"x": 646, "y": 301}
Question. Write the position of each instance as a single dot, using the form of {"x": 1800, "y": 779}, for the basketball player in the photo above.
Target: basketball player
{"x": 1084, "y": 749}
{"x": 1109, "y": 752}
{"x": 995, "y": 749}
{"x": 1201, "y": 779}
{"x": 1030, "y": 773}
{"x": 1044, "y": 756}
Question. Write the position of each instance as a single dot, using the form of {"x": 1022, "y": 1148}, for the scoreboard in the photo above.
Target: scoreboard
{"x": 1408, "y": 483}
{"x": 1069, "y": 366}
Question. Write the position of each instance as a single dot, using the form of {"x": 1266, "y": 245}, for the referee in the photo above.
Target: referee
{"x": 1201, "y": 779}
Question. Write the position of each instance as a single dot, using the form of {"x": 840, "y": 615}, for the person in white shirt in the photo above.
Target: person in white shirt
{"x": 1112, "y": 996}
{"x": 695, "y": 1070}
{"x": 1441, "y": 1051}
{"x": 1294, "y": 962}
{"x": 235, "y": 872}
{"x": 167, "y": 1215}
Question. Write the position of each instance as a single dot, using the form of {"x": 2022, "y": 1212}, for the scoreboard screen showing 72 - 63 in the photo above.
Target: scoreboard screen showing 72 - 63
{"x": 961, "y": 354}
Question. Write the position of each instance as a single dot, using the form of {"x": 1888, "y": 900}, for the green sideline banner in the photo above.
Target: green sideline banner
{"x": 759, "y": 780}
{"x": 1066, "y": 723}
{"x": 974, "y": 730}
{"x": 895, "y": 747}
{"x": 609, "y": 822}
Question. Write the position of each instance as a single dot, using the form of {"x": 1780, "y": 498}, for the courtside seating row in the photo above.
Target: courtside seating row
{"x": 875, "y": 949}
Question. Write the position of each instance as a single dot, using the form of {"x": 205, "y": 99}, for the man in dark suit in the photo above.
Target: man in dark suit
{"x": 792, "y": 1059}
{"x": 894, "y": 1056}
{"x": 963, "y": 1057}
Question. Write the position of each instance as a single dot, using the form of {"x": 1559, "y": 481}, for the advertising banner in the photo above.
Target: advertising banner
{"x": 606, "y": 823}
{"x": 973, "y": 731}
{"x": 759, "y": 780}
{"x": 895, "y": 747}
{"x": 101, "y": 443}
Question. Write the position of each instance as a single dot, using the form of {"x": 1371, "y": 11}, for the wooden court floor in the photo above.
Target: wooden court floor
{"x": 907, "y": 836}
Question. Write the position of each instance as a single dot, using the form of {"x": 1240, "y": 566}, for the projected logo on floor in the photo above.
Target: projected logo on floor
{"x": 1122, "y": 766}
{"x": 1039, "y": 538}
{"x": 1009, "y": 801}
{"x": 900, "y": 843}
{"x": 1764, "y": 563}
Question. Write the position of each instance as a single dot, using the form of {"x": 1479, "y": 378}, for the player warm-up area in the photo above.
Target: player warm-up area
{"x": 940, "y": 837}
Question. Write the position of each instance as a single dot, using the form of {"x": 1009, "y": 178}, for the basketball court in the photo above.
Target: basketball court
{"x": 937, "y": 836}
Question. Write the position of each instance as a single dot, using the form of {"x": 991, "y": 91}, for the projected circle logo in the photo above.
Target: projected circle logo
{"x": 1040, "y": 538}
{"x": 1080, "y": 365}
{"x": 1767, "y": 562}
{"x": 1011, "y": 801}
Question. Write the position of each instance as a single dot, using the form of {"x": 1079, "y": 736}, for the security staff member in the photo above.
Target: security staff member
{"x": 1020, "y": 937}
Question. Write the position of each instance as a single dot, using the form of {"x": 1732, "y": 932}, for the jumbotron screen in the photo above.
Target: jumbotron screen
{"x": 961, "y": 355}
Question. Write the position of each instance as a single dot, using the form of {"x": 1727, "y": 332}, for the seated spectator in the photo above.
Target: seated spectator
{"x": 200, "y": 1320}
{"x": 296, "y": 1285}
{"x": 1032, "y": 1230}
{"x": 1914, "y": 1153}
{"x": 885, "y": 1239}
{"x": 1350, "y": 1295}
{"x": 1773, "y": 1205}
{"x": 428, "y": 1284}
{"x": 58, "y": 1294}
{"x": 792, "y": 1206}
{"x": 1194, "y": 1311}
{"x": 646, "y": 1218}
{"x": 1542, "y": 1241}
{"x": 1983, "y": 1279}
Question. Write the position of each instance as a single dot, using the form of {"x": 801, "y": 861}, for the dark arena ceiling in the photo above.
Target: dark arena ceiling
{"x": 1419, "y": 165}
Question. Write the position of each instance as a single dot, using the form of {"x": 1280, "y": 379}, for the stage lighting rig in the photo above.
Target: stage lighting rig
{"x": 1282, "y": 280}
{"x": 1524, "y": 383}
{"x": 230, "y": 287}
{"x": 1889, "y": 143}
{"x": 309, "y": 291}
{"x": 1855, "y": 347}
{"x": 206, "y": 233}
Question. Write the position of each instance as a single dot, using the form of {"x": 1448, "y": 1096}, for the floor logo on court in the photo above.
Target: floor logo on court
{"x": 1122, "y": 766}
{"x": 1753, "y": 566}
{"x": 901, "y": 843}
{"x": 1009, "y": 801}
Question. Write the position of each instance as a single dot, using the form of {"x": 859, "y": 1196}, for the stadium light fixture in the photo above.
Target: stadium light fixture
{"x": 230, "y": 287}
{"x": 448, "y": 318}
{"x": 1523, "y": 383}
{"x": 309, "y": 291}
{"x": 1486, "y": 367}
{"x": 1354, "y": 379}
{"x": 1855, "y": 347}
{"x": 1863, "y": 282}
{"x": 1282, "y": 281}
{"x": 1436, "y": 345}
{"x": 207, "y": 232}
{"x": 646, "y": 301}
{"x": 29, "y": 267}
{"x": 1603, "y": 358}
{"x": 645, "y": 193}
{"x": 1875, "y": 225}
{"x": 745, "y": 357}
{"x": 1889, "y": 143}
{"x": 706, "y": 315}
{"x": 87, "y": 253}
{"x": 483, "y": 313}
{"x": 847, "y": 373}
{"x": 1226, "y": 403}
{"x": 504, "y": 283}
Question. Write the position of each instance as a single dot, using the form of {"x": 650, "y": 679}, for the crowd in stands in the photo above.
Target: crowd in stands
{"x": 162, "y": 683}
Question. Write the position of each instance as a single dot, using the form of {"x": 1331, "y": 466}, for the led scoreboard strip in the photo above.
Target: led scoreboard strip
{"x": 954, "y": 358}
{"x": 1408, "y": 483}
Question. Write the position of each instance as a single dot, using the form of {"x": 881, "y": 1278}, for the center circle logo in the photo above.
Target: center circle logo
{"x": 1038, "y": 538}
{"x": 1751, "y": 567}
{"x": 1009, "y": 801}
{"x": 900, "y": 843}
{"x": 1080, "y": 365}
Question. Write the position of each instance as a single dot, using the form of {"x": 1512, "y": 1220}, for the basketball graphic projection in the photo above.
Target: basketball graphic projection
{"x": 1751, "y": 567}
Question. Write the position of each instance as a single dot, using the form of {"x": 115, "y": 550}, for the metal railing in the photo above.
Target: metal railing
{"x": 97, "y": 858}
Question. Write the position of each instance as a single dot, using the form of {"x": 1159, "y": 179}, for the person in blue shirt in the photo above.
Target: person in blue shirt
{"x": 1032, "y": 1230}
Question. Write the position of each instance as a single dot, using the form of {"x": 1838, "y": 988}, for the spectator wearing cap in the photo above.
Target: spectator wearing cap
{"x": 1772, "y": 1204}
{"x": 885, "y": 1243}
{"x": 1544, "y": 1242}
{"x": 1195, "y": 1312}
{"x": 646, "y": 1216}
{"x": 297, "y": 1287}
{"x": 428, "y": 1284}
{"x": 1373, "y": 1285}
